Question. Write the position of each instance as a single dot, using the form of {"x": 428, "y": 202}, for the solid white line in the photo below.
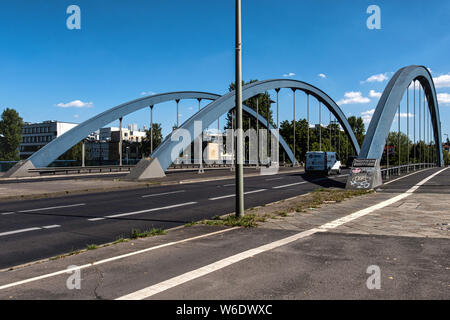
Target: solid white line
{"x": 142, "y": 211}
{"x": 233, "y": 195}
{"x": 51, "y": 208}
{"x": 19, "y": 231}
{"x": 403, "y": 177}
{"x": 290, "y": 185}
{"x": 52, "y": 226}
{"x": 188, "y": 276}
{"x": 162, "y": 194}
{"x": 123, "y": 256}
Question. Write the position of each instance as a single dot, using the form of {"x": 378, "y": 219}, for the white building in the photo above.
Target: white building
{"x": 37, "y": 135}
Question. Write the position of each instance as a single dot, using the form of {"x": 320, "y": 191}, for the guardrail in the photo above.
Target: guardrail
{"x": 93, "y": 169}
{"x": 398, "y": 170}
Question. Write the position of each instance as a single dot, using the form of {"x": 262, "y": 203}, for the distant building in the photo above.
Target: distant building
{"x": 37, "y": 135}
{"x": 113, "y": 134}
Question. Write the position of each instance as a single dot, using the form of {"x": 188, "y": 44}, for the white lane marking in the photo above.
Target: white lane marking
{"x": 142, "y": 211}
{"x": 7, "y": 233}
{"x": 403, "y": 177}
{"x": 188, "y": 276}
{"x": 233, "y": 195}
{"x": 162, "y": 194}
{"x": 229, "y": 185}
{"x": 273, "y": 179}
{"x": 18, "y": 231}
{"x": 123, "y": 256}
{"x": 290, "y": 185}
{"x": 52, "y": 226}
{"x": 52, "y": 208}
{"x": 7, "y": 213}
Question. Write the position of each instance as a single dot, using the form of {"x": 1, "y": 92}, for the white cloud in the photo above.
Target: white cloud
{"x": 323, "y": 76}
{"x": 75, "y": 104}
{"x": 367, "y": 115}
{"x": 76, "y": 116}
{"x": 442, "y": 81}
{"x": 443, "y": 98}
{"x": 374, "y": 94}
{"x": 290, "y": 74}
{"x": 377, "y": 78}
{"x": 406, "y": 115}
{"x": 149, "y": 93}
{"x": 353, "y": 97}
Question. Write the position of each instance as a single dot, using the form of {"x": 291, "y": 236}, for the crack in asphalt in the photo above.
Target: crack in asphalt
{"x": 99, "y": 283}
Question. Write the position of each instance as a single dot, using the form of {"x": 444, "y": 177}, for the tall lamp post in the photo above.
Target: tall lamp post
{"x": 239, "y": 142}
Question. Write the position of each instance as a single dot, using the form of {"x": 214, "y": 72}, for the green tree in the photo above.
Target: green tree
{"x": 446, "y": 158}
{"x": 75, "y": 153}
{"x": 145, "y": 145}
{"x": 357, "y": 125}
{"x": 11, "y": 125}
{"x": 263, "y": 108}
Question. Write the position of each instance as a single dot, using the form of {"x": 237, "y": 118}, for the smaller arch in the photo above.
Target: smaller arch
{"x": 383, "y": 117}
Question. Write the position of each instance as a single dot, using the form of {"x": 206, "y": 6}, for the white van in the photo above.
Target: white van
{"x": 322, "y": 162}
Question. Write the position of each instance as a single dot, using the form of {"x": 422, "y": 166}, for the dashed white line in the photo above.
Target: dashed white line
{"x": 233, "y": 195}
{"x": 52, "y": 208}
{"x": 290, "y": 185}
{"x": 273, "y": 179}
{"x": 141, "y": 211}
{"x": 7, "y": 233}
{"x": 18, "y": 231}
{"x": 188, "y": 276}
{"x": 7, "y": 213}
{"x": 229, "y": 185}
{"x": 163, "y": 194}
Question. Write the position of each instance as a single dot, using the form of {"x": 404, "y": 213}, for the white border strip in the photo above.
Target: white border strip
{"x": 123, "y": 256}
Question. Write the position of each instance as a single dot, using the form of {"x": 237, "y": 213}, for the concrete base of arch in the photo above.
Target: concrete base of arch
{"x": 20, "y": 170}
{"x": 147, "y": 168}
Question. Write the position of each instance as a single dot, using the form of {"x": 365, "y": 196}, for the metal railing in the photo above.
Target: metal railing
{"x": 80, "y": 170}
{"x": 398, "y": 170}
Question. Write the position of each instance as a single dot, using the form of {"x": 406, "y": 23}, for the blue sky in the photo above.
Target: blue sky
{"x": 127, "y": 48}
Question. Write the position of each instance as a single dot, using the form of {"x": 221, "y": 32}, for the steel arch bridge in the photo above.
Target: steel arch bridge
{"x": 219, "y": 106}
{"x": 388, "y": 104}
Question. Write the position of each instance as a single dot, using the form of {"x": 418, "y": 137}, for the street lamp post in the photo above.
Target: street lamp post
{"x": 239, "y": 144}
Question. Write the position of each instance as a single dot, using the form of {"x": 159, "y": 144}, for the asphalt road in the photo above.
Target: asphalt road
{"x": 36, "y": 229}
{"x": 323, "y": 265}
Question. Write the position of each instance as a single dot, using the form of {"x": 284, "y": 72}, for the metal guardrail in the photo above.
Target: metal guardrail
{"x": 79, "y": 170}
{"x": 398, "y": 170}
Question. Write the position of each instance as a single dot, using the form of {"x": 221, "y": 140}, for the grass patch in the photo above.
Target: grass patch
{"x": 120, "y": 240}
{"x": 136, "y": 233}
{"x": 92, "y": 246}
{"x": 190, "y": 224}
{"x": 247, "y": 221}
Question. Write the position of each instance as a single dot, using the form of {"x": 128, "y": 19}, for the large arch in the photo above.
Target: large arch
{"x": 383, "y": 117}
{"x": 57, "y": 147}
{"x": 207, "y": 115}
{"x": 227, "y": 102}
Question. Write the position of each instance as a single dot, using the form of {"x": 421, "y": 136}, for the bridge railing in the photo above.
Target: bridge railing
{"x": 398, "y": 170}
